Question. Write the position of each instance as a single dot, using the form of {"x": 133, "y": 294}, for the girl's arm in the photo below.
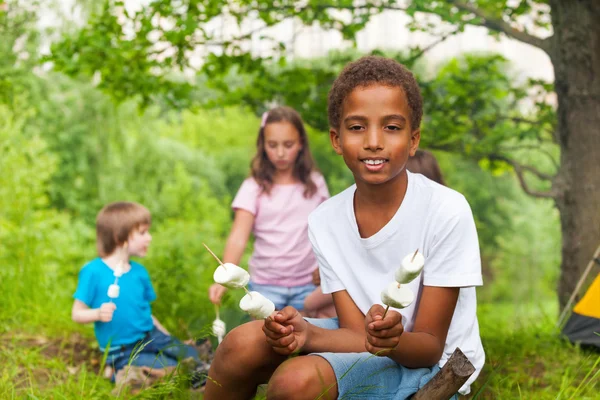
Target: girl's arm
{"x": 423, "y": 347}
{"x": 234, "y": 248}
{"x": 238, "y": 237}
{"x": 159, "y": 326}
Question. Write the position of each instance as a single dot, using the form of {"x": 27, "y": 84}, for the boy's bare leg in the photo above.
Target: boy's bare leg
{"x": 243, "y": 361}
{"x": 303, "y": 378}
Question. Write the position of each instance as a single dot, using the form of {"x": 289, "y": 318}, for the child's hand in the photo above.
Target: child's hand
{"x": 286, "y": 331}
{"x": 105, "y": 312}
{"x": 316, "y": 277}
{"x": 216, "y": 292}
{"x": 383, "y": 335}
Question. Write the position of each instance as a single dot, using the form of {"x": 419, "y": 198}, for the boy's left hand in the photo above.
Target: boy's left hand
{"x": 383, "y": 335}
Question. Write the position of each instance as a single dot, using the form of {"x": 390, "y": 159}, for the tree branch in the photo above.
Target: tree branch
{"x": 501, "y": 26}
{"x": 519, "y": 170}
{"x": 325, "y": 6}
{"x": 531, "y": 147}
{"x": 430, "y": 46}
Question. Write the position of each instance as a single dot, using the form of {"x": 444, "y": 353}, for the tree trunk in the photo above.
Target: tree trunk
{"x": 575, "y": 54}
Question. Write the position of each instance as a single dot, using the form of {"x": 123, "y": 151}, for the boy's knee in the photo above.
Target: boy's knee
{"x": 300, "y": 378}
{"x": 240, "y": 346}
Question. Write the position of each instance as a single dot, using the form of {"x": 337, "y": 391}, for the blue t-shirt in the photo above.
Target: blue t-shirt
{"x": 133, "y": 315}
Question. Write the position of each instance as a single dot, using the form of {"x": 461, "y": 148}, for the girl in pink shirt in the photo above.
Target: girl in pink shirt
{"x": 274, "y": 204}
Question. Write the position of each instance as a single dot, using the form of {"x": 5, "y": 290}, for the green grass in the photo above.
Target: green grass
{"x": 525, "y": 359}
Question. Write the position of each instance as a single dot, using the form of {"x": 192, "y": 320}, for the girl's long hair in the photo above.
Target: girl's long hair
{"x": 262, "y": 170}
{"x": 425, "y": 163}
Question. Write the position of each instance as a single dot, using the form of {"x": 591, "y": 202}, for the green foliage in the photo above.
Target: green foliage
{"x": 35, "y": 241}
{"x": 480, "y": 13}
{"x": 228, "y": 135}
{"x": 134, "y": 53}
{"x": 67, "y": 147}
{"x": 18, "y": 48}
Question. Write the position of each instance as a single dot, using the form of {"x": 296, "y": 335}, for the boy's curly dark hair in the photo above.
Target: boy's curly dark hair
{"x": 367, "y": 71}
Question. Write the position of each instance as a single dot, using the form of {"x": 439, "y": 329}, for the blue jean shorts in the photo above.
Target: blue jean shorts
{"x": 366, "y": 376}
{"x": 155, "y": 350}
{"x": 283, "y": 296}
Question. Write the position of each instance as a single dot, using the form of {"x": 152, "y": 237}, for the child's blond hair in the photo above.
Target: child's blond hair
{"x": 115, "y": 222}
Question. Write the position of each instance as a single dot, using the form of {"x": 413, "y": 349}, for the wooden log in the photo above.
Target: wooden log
{"x": 448, "y": 380}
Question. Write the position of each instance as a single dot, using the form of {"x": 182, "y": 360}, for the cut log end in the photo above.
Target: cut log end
{"x": 448, "y": 380}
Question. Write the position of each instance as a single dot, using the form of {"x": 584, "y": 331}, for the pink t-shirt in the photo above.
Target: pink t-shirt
{"x": 282, "y": 253}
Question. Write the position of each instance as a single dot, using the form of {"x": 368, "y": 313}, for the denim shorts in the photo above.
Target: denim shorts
{"x": 155, "y": 350}
{"x": 283, "y": 296}
{"x": 366, "y": 376}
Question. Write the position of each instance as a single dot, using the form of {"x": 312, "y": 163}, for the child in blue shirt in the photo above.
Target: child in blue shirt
{"x": 124, "y": 326}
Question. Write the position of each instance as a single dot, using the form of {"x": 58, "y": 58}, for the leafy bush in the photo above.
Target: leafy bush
{"x": 36, "y": 242}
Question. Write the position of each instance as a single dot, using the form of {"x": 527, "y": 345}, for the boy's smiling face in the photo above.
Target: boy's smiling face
{"x": 375, "y": 136}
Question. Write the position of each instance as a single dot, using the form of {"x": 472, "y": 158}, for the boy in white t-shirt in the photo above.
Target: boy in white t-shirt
{"x": 360, "y": 237}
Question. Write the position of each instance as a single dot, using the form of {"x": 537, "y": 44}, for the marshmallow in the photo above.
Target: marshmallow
{"x": 397, "y": 296}
{"x": 113, "y": 291}
{"x": 219, "y": 329}
{"x": 409, "y": 270}
{"x": 231, "y": 276}
{"x": 118, "y": 272}
{"x": 257, "y": 305}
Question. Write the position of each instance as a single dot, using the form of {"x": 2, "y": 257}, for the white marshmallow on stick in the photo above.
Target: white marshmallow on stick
{"x": 231, "y": 276}
{"x": 411, "y": 267}
{"x": 257, "y": 305}
{"x": 219, "y": 329}
{"x": 113, "y": 291}
{"x": 397, "y": 296}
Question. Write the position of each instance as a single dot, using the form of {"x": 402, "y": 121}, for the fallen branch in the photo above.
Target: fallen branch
{"x": 448, "y": 380}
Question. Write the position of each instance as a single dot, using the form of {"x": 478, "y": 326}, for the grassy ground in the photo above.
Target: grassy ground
{"x": 526, "y": 359}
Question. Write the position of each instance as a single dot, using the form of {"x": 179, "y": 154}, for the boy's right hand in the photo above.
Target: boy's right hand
{"x": 216, "y": 292}
{"x": 106, "y": 311}
{"x": 286, "y": 331}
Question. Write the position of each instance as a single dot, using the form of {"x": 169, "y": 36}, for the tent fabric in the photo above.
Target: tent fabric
{"x": 583, "y": 330}
{"x": 589, "y": 305}
{"x": 583, "y": 326}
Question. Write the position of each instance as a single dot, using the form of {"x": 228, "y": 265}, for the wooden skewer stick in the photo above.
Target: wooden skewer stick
{"x": 247, "y": 291}
{"x": 414, "y": 255}
{"x": 385, "y": 312}
{"x": 213, "y": 254}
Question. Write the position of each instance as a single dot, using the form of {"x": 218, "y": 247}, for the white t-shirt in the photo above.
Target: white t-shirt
{"x": 432, "y": 218}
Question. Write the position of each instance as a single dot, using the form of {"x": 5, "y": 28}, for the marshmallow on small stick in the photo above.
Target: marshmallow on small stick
{"x": 113, "y": 291}
{"x": 231, "y": 276}
{"x": 397, "y": 296}
{"x": 219, "y": 329}
{"x": 411, "y": 267}
{"x": 257, "y": 305}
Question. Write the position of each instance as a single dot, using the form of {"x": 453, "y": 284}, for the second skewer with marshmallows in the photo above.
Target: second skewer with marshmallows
{"x": 398, "y": 296}
{"x": 233, "y": 277}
